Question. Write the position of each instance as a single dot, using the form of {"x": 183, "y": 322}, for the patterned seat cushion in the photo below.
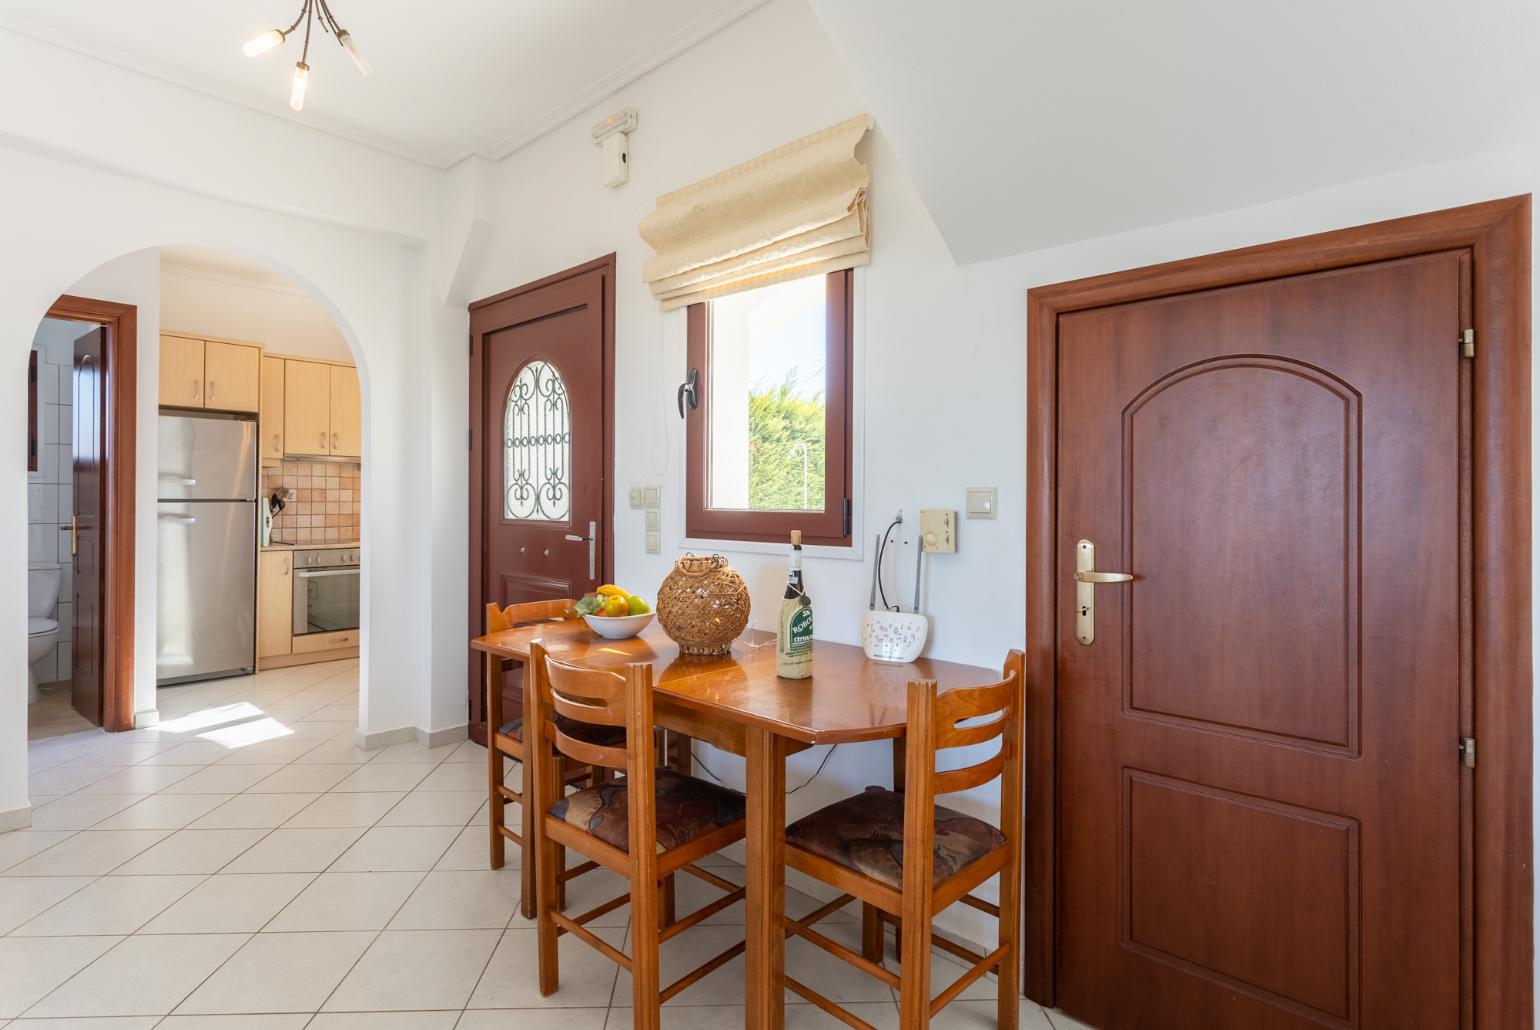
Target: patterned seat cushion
{"x": 866, "y": 833}
{"x": 687, "y": 808}
{"x": 587, "y": 732}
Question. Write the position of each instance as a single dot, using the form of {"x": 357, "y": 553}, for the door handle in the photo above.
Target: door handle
{"x": 687, "y": 391}
{"x": 593, "y": 532}
{"x": 73, "y": 529}
{"x": 1086, "y": 578}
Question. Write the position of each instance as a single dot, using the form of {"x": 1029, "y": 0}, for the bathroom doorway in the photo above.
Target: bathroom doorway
{"x": 80, "y": 516}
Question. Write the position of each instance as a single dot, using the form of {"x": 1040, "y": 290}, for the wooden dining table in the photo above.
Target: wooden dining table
{"x": 736, "y": 703}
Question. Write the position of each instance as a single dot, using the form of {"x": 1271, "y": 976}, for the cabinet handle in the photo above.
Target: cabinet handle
{"x": 197, "y": 390}
{"x": 211, "y": 389}
{"x": 336, "y": 446}
{"x": 286, "y": 566}
{"x": 277, "y": 442}
{"x": 323, "y": 441}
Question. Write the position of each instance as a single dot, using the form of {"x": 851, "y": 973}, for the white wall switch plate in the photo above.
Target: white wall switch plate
{"x": 652, "y": 497}
{"x": 652, "y": 521}
{"x": 938, "y": 530}
{"x": 636, "y": 497}
{"x": 654, "y": 543}
{"x": 981, "y": 502}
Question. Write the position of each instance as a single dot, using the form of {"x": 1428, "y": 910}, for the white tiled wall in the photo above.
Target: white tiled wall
{"x": 49, "y": 490}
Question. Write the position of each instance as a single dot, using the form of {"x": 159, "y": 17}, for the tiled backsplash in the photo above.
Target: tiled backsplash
{"x": 325, "y": 505}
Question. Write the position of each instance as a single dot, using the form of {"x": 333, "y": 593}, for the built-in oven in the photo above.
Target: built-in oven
{"x": 325, "y": 590}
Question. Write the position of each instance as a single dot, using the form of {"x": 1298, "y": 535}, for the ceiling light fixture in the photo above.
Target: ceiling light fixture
{"x": 308, "y": 14}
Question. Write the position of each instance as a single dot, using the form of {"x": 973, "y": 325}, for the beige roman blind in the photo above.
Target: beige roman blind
{"x": 798, "y": 210}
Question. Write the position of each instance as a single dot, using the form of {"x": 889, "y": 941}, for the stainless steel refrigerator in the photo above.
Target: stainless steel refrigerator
{"x": 206, "y": 525}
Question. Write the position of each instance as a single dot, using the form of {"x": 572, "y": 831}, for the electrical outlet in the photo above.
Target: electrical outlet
{"x": 652, "y": 497}
{"x": 636, "y": 497}
{"x": 938, "y": 530}
{"x": 653, "y": 521}
{"x": 654, "y": 543}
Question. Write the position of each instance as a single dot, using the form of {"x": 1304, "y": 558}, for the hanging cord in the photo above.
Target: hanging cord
{"x": 880, "y": 548}
{"x": 816, "y": 772}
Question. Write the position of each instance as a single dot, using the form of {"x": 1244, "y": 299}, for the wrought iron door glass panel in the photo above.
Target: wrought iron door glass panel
{"x": 537, "y": 446}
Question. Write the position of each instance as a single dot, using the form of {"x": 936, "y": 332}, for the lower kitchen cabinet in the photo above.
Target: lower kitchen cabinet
{"x": 275, "y": 604}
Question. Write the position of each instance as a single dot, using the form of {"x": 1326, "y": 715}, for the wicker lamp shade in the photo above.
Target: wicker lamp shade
{"x": 703, "y": 605}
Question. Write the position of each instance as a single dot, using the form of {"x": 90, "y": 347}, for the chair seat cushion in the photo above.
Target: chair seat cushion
{"x": 587, "y": 732}
{"x": 866, "y": 833}
{"x": 687, "y": 808}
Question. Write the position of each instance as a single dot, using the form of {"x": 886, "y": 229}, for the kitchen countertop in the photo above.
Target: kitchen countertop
{"x": 278, "y": 545}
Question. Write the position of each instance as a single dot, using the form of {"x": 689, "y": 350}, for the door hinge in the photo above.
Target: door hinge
{"x": 1468, "y": 752}
{"x": 845, "y": 517}
{"x": 1468, "y": 343}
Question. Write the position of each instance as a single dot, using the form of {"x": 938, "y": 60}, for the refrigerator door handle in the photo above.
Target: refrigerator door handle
{"x": 185, "y": 520}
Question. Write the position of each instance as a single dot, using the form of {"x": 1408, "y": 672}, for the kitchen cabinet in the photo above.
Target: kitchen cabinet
{"x": 213, "y": 374}
{"x": 275, "y": 603}
{"x": 346, "y": 413}
{"x": 307, "y": 407}
{"x": 181, "y": 372}
{"x": 270, "y": 412}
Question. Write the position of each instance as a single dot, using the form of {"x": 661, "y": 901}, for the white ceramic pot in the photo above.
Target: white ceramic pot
{"x": 893, "y": 636}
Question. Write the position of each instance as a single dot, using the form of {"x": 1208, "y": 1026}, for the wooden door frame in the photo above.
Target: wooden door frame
{"x": 120, "y": 416}
{"x": 477, "y": 607}
{"x": 1498, "y": 964}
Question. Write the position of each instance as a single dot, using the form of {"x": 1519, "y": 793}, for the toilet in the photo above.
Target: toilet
{"x": 43, "y": 579}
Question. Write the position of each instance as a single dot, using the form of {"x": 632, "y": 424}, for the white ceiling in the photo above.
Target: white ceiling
{"x": 1029, "y": 123}
{"x": 451, "y": 78}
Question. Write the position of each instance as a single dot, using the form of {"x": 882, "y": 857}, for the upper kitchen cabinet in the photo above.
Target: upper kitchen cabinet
{"x": 270, "y": 416}
{"x": 214, "y": 374}
{"x": 307, "y": 408}
{"x": 346, "y": 413}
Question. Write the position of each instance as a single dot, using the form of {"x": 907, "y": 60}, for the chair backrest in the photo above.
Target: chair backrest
{"x": 597, "y": 698}
{"x": 934, "y": 725}
{"x": 499, "y": 619}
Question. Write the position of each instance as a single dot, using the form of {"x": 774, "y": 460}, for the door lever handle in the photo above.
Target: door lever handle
{"x": 1089, "y": 576}
{"x": 590, "y": 540}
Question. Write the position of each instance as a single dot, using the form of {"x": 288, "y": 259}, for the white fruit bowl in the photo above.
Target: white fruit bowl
{"x": 619, "y": 627}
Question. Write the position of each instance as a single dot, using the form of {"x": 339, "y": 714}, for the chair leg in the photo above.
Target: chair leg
{"x": 550, "y": 973}
{"x": 528, "y": 854}
{"x": 666, "y": 911}
{"x": 495, "y": 813}
{"x": 871, "y": 932}
{"x": 645, "y": 1014}
{"x": 561, "y": 885}
{"x": 914, "y": 975}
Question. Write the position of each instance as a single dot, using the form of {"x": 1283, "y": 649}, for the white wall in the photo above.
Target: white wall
{"x": 284, "y": 319}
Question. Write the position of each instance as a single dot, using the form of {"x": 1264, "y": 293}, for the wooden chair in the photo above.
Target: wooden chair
{"x": 647, "y": 826}
{"x": 505, "y": 737}
{"x": 909, "y": 858}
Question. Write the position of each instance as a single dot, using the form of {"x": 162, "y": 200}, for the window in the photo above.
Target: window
{"x": 769, "y": 439}
{"x": 537, "y": 446}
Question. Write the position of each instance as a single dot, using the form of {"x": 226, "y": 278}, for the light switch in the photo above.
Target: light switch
{"x": 652, "y": 521}
{"x": 652, "y": 497}
{"x": 981, "y": 502}
{"x": 938, "y": 530}
{"x": 636, "y": 497}
{"x": 654, "y": 543}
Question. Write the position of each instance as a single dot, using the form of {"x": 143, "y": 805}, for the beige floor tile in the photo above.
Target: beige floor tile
{"x": 456, "y": 776}
{"x": 128, "y": 753}
{"x": 78, "y": 811}
{"x": 984, "y": 1015}
{"x": 192, "y": 752}
{"x": 35, "y": 967}
{"x": 584, "y": 893}
{"x": 303, "y": 779}
{"x": 192, "y": 851}
{"x": 542, "y": 1019}
{"x": 22, "y": 897}
{"x": 345, "y": 809}
{"x": 397, "y": 849}
{"x": 139, "y": 779}
{"x": 468, "y": 751}
{"x": 413, "y": 753}
{"x": 407, "y": 970}
{"x": 253, "y": 811}
{"x": 265, "y": 1021}
{"x": 374, "y": 777}
{"x": 510, "y": 981}
{"x": 222, "y": 779}
{"x": 230, "y": 903}
{"x": 279, "y": 972}
{"x": 452, "y": 900}
{"x": 163, "y": 811}
{"x": 442, "y": 1020}
{"x": 65, "y": 779}
{"x": 347, "y": 901}
{"x": 144, "y": 975}
{"x": 470, "y": 850}
{"x": 112, "y": 905}
{"x": 435, "y": 808}
{"x": 269, "y": 752}
{"x": 1059, "y": 1021}
{"x": 332, "y": 752}
{"x": 88, "y": 1023}
{"x": 89, "y": 853}
{"x": 882, "y": 1015}
{"x": 18, "y": 845}
{"x": 322, "y": 731}
{"x": 294, "y": 851}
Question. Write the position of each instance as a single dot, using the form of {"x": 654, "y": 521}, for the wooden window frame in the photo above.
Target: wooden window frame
{"x": 831, "y": 527}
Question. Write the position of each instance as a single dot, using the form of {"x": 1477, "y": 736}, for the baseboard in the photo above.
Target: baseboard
{"x": 147, "y": 718}
{"x": 448, "y": 735}
{"x": 16, "y": 818}
{"x": 385, "y": 738}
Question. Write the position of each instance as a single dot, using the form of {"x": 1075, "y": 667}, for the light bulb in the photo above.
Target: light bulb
{"x": 346, "y": 39}
{"x": 263, "y": 43}
{"x": 301, "y": 79}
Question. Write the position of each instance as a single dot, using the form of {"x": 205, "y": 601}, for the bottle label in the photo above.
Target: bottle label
{"x": 801, "y": 630}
